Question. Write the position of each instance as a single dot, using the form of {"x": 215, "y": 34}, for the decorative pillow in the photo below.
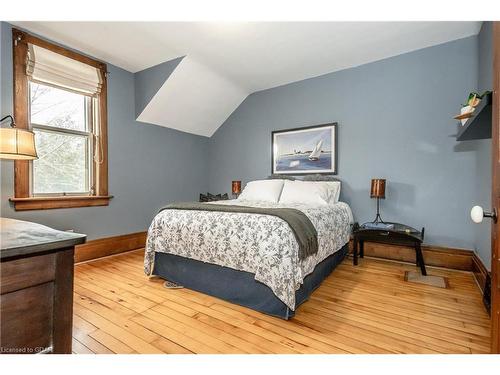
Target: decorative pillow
{"x": 334, "y": 186}
{"x": 333, "y": 182}
{"x": 309, "y": 192}
{"x": 211, "y": 197}
{"x": 319, "y": 177}
{"x": 281, "y": 177}
{"x": 262, "y": 190}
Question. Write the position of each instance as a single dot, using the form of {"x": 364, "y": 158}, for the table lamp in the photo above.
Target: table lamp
{"x": 378, "y": 191}
{"x": 15, "y": 143}
{"x": 236, "y": 188}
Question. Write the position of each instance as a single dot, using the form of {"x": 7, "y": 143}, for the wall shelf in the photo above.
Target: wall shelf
{"x": 479, "y": 125}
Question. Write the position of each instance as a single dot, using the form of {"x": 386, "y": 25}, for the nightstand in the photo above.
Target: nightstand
{"x": 400, "y": 234}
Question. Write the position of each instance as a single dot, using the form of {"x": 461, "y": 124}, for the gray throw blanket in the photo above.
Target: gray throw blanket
{"x": 302, "y": 228}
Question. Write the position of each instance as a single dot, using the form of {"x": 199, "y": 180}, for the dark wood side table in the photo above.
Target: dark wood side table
{"x": 36, "y": 288}
{"x": 400, "y": 234}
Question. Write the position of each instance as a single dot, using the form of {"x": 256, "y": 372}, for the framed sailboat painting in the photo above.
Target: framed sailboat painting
{"x": 308, "y": 150}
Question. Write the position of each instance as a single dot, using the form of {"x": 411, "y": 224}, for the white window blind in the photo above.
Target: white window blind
{"x": 47, "y": 67}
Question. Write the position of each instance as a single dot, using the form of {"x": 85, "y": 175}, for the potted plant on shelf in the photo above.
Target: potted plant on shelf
{"x": 467, "y": 110}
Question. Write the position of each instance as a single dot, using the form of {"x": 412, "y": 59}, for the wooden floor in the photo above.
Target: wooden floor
{"x": 363, "y": 309}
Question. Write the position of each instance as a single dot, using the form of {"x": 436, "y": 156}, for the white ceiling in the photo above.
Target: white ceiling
{"x": 247, "y": 56}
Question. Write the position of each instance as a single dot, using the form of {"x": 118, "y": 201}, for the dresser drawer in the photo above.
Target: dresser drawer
{"x": 26, "y": 319}
{"x": 25, "y": 272}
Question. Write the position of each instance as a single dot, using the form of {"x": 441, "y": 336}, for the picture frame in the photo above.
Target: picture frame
{"x": 305, "y": 150}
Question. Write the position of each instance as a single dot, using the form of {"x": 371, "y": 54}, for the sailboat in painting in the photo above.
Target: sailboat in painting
{"x": 316, "y": 152}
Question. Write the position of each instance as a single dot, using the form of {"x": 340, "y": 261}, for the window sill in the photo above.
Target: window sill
{"x": 47, "y": 203}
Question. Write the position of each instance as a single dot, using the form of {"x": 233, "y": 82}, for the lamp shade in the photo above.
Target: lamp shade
{"x": 378, "y": 188}
{"x": 17, "y": 144}
{"x": 236, "y": 187}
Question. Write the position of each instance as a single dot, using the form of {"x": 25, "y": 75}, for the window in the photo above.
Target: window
{"x": 61, "y": 97}
{"x": 62, "y": 123}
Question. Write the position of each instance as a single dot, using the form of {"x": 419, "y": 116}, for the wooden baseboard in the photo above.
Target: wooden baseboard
{"x": 458, "y": 259}
{"x": 480, "y": 272}
{"x": 109, "y": 246}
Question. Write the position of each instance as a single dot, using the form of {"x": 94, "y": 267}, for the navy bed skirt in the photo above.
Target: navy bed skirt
{"x": 239, "y": 287}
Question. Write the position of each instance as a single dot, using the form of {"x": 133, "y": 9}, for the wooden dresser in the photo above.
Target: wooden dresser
{"x": 36, "y": 288}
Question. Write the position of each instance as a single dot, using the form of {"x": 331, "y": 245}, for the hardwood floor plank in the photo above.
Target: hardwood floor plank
{"x": 420, "y": 294}
{"x": 407, "y": 324}
{"x": 217, "y": 339}
{"x": 113, "y": 304}
{"x": 363, "y": 309}
{"x": 408, "y": 291}
{"x": 94, "y": 345}
{"x": 79, "y": 348}
{"x": 268, "y": 336}
{"x": 124, "y": 335}
{"x": 231, "y": 311}
{"x": 480, "y": 327}
{"x": 230, "y": 324}
{"x": 195, "y": 331}
{"x": 115, "y": 345}
{"x": 170, "y": 347}
{"x": 131, "y": 301}
{"x": 174, "y": 334}
{"x": 255, "y": 318}
{"x": 397, "y": 284}
{"x": 377, "y": 307}
{"x": 229, "y": 333}
{"x": 378, "y": 339}
{"x": 82, "y": 326}
{"x": 116, "y": 318}
{"x": 399, "y": 334}
{"x": 119, "y": 284}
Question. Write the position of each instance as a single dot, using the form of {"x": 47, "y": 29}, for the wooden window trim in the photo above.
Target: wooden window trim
{"x": 46, "y": 203}
{"x": 22, "y": 199}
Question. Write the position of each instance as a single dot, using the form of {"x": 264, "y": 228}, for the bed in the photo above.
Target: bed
{"x": 248, "y": 259}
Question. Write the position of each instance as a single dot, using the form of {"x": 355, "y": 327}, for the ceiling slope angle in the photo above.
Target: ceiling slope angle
{"x": 193, "y": 98}
{"x": 147, "y": 82}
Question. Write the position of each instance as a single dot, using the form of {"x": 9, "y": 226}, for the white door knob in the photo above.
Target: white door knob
{"x": 477, "y": 213}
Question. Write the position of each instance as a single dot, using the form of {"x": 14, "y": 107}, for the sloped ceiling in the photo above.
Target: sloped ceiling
{"x": 149, "y": 81}
{"x": 193, "y": 98}
{"x": 203, "y": 71}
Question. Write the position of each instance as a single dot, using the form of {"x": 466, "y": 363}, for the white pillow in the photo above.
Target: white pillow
{"x": 309, "y": 192}
{"x": 262, "y": 190}
{"x": 335, "y": 186}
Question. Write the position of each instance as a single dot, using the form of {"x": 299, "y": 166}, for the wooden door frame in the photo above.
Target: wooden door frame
{"x": 495, "y": 195}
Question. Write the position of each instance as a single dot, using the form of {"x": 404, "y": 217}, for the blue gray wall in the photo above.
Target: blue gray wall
{"x": 482, "y": 241}
{"x": 149, "y": 166}
{"x": 395, "y": 122}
